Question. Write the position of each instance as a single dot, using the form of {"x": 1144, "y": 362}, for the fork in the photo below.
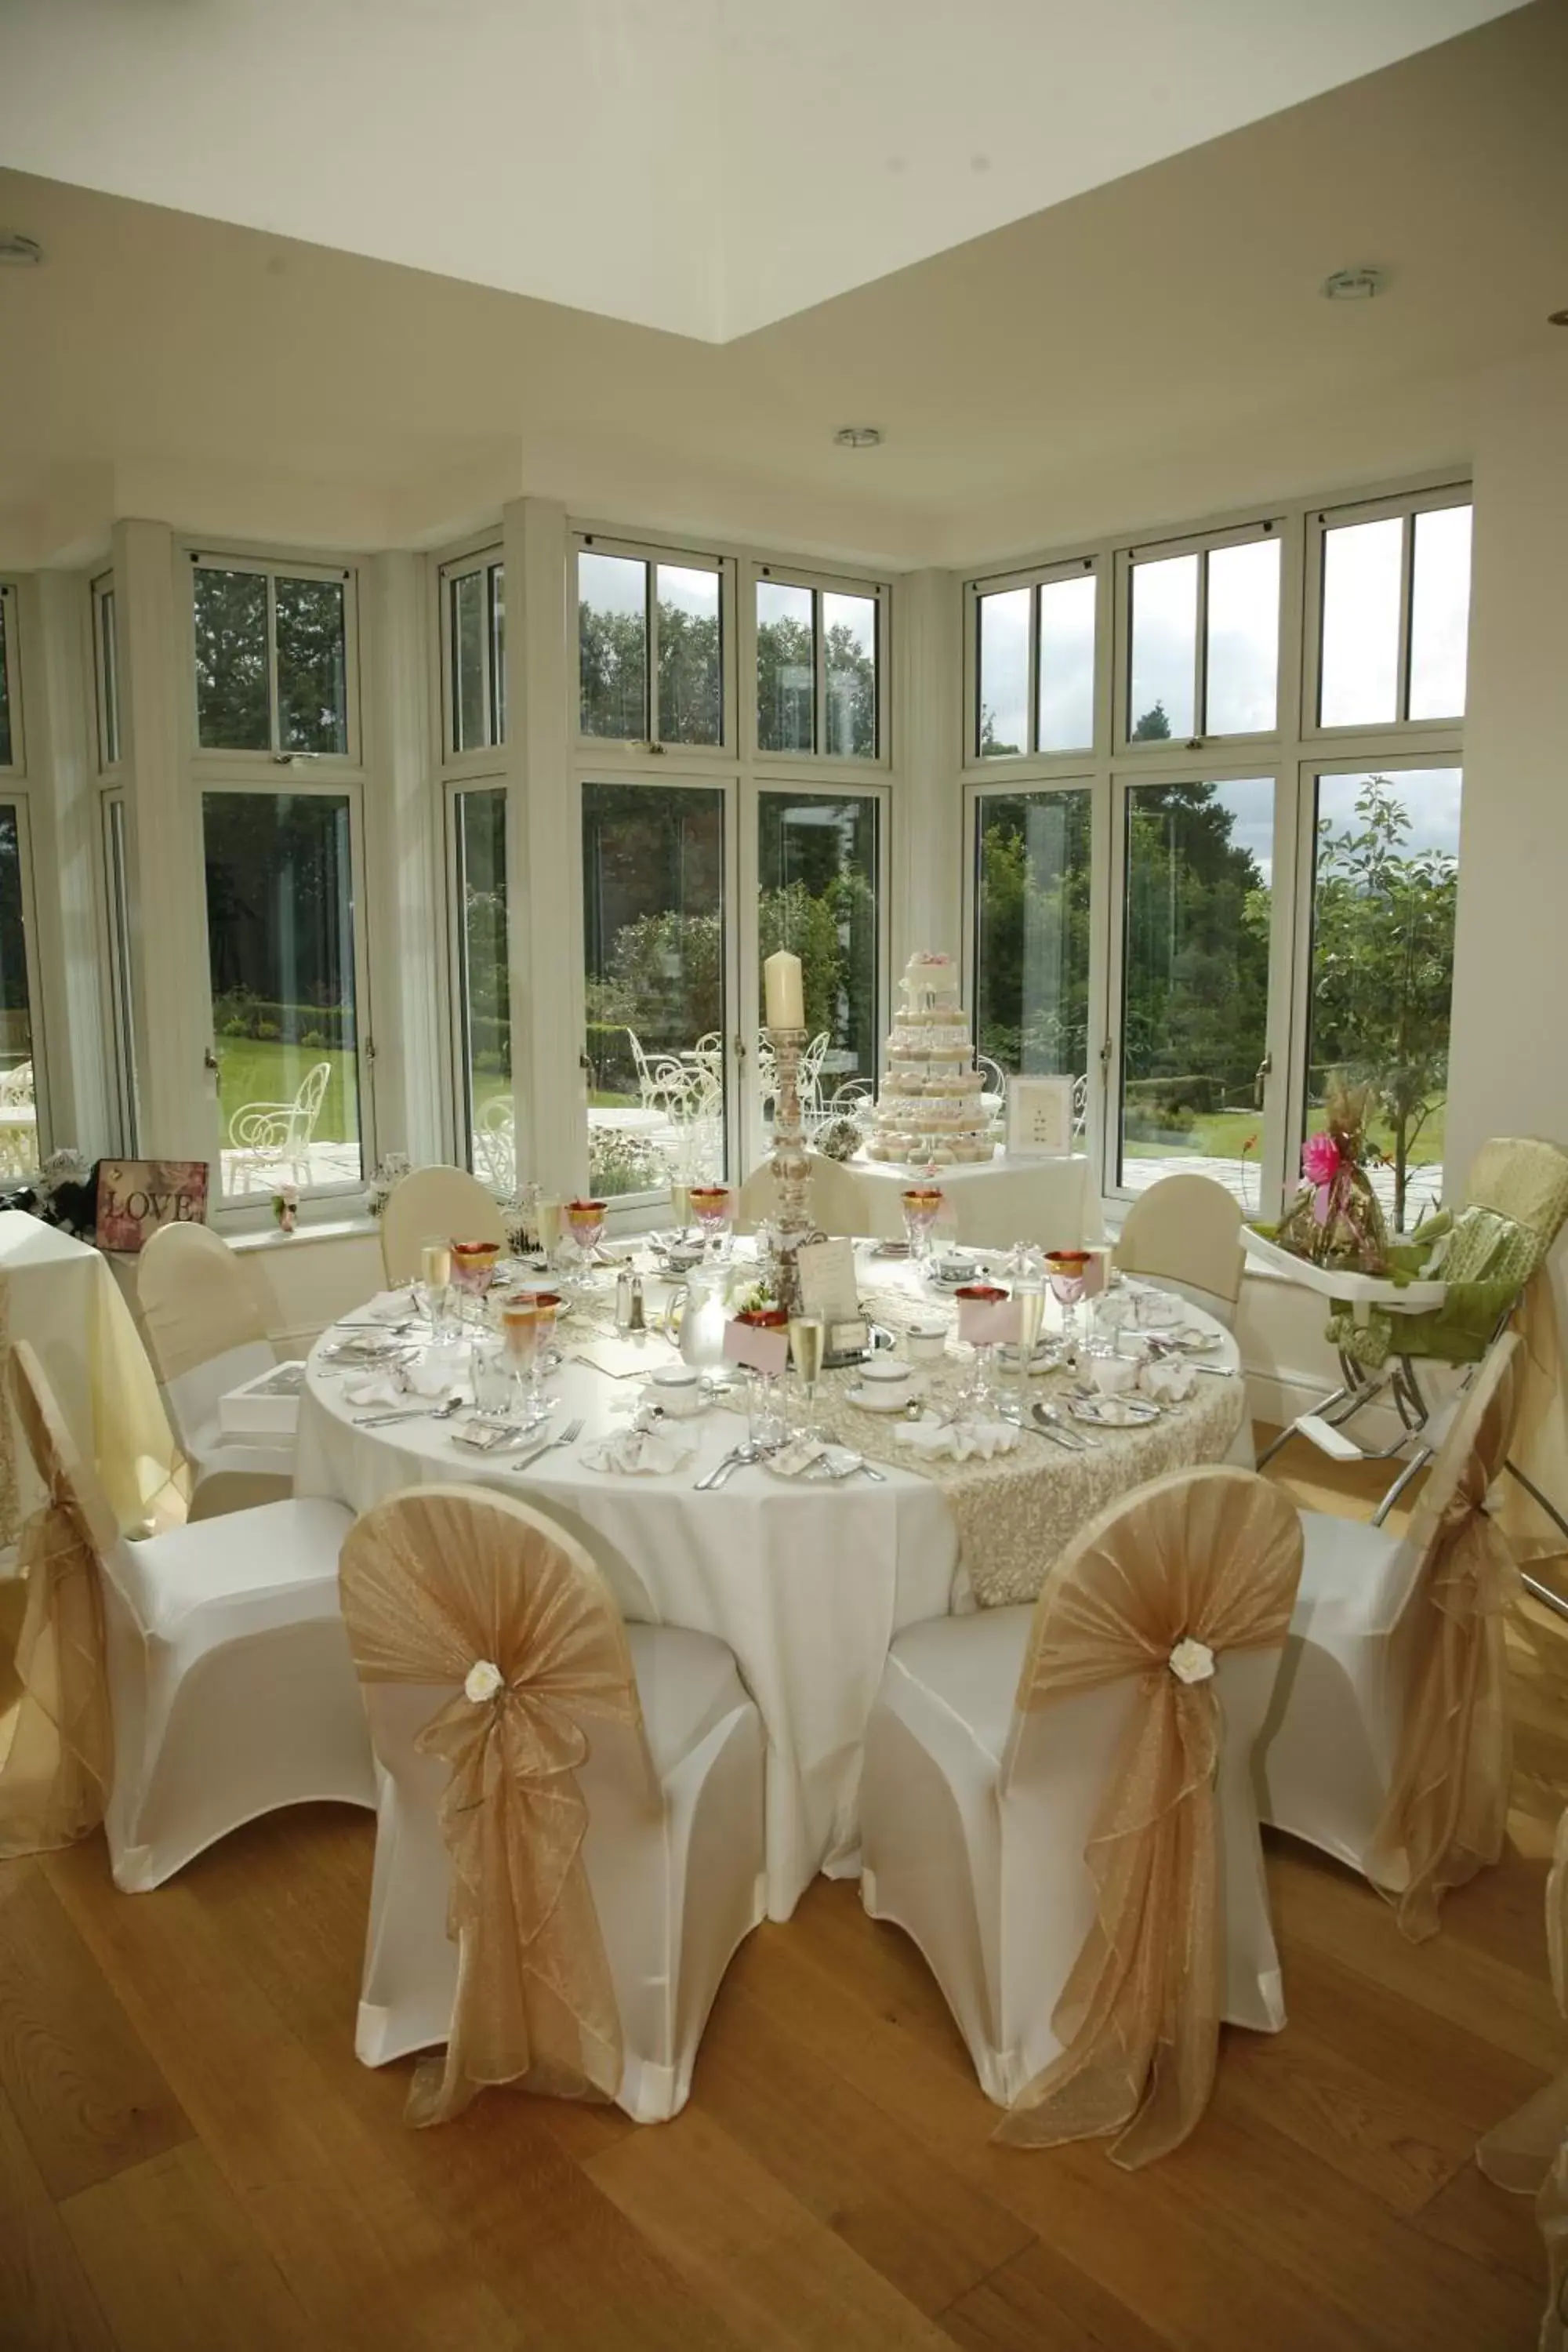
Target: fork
{"x": 567, "y": 1436}
{"x": 736, "y": 1459}
{"x": 411, "y": 1412}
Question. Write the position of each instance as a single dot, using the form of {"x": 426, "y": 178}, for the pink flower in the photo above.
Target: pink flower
{"x": 1320, "y": 1159}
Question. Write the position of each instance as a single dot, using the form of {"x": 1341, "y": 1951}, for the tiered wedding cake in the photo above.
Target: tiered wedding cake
{"x": 930, "y": 1110}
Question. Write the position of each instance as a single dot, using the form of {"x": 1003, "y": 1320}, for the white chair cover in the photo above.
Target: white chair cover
{"x": 570, "y": 1841}
{"x": 1388, "y": 1744}
{"x": 207, "y": 1337}
{"x": 1184, "y": 1232}
{"x": 1056, "y": 1806}
{"x": 215, "y": 1653}
{"x": 838, "y": 1203}
{"x": 434, "y": 1204}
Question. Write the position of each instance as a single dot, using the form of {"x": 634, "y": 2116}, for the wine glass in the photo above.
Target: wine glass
{"x": 977, "y": 1394}
{"x": 922, "y": 1204}
{"x": 713, "y": 1209}
{"x": 586, "y": 1221}
{"x": 1066, "y": 1270}
{"x": 473, "y": 1263}
{"x": 807, "y": 1340}
{"x": 436, "y": 1287}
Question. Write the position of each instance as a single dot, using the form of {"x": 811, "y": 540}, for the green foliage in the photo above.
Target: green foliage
{"x": 1383, "y": 967}
{"x": 1154, "y": 727}
{"x": 1032, "y": 1004}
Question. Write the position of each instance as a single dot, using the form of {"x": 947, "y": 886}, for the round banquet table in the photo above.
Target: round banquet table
{"x": 807, "y": 1583}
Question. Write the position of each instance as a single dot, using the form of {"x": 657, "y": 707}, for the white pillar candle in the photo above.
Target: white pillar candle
{"x": 785, "y": 992}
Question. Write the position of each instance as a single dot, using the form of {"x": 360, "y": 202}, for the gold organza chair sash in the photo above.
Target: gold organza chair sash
{"x": 447, "y": 1586}
{"x": 1448, "y": 1802}
{"x": 57, "y": 1752}
{"x": 1159, "y": 1588}
{"x": 1529, "y": 2153}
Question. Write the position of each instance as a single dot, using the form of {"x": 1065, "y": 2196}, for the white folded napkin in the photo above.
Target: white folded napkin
{"x": 1157, "y": 1310}
{"x": 965, "y": 1440}
{"x": 1117, "y": 1308}
{"x": 438, "y": 1370}
{"x": 1165, "y": 1381}
{"x": 380, "y": 1387}
{"x": 388, "y": 1306}
{"x": 640, "y": 1452}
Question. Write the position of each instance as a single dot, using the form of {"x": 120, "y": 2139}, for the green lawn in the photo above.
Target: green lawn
{"x": 1221, "y": 1134}
{"x": 256, "y": 1070}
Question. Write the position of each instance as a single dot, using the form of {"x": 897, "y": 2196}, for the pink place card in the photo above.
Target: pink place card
{"x": 1096, "y": 1272}
{"x": 755, "y": 1345}
{"x": 985, "y": 1323}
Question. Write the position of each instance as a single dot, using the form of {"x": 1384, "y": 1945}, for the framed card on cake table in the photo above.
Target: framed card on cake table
{"x": 1039, "y": 1118}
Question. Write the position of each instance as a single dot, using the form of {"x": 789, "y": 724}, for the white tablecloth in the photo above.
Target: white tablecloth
{"x": 808, "y": 1591}
{"x": 1051, "y": 1202}
{"x": 61, "y": 1297}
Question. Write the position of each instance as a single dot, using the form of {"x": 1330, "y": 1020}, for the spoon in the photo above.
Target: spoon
{"x": 411, "y": 1413}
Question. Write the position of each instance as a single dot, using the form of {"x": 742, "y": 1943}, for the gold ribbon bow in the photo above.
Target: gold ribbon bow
{"x": 1207, "y": 1557}
{"x": 434, "y": 1583}
{"x": 1448, "y": 1804}
{"x": 57, "y": 1740}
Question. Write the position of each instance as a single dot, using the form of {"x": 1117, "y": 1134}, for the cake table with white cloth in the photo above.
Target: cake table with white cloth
{"x": 1052, "y": 1203}
{"x": 807, "y": 1583}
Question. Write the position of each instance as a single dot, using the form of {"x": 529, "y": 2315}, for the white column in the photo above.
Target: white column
{"x": 163, "y": 836}
{"x": 406, "y": 856}
{"x": 1507, "y": 1067}
{"x": 70, "y": 1053}
{"x": 544, "y": 887}
{"x": 928, "y": 822}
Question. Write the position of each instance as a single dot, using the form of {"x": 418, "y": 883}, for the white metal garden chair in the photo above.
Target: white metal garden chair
{"x": 495, "y": 1147}
{"x": 273, "y": 1139}
{"x": 18, "y": 1120}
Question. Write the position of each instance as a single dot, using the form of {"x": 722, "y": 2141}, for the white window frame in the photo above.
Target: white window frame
{"x": 11, "y": 654}
{"x": 818, "y": 584}
{"x": 1292, "y": 755}
{"x": 1323, "y": 518}
{"x": 1032, "y": 759}
{"x": 105, "y": 649}
{"x": 239, "y": 1205}
{"x": 1202, "y": 544}
{"x": 273, "y": 568}
{"x": 456, "y": 789}
{"x": 485, "y": 556}
{"x": 115, "y": 977}
{"x": 632, "y": 750}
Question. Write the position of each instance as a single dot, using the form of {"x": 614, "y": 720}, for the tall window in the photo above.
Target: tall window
{"x": 818, "y": 668}
{"x": 476, "y": 653}
{"x": 1385, "y": 880}
{"x": 10, "y": 731}
{"x": 280, "y": 945}
{"x": 117, "y": 975}
{"x": 650, "y": 647}
{"x": 1032, "y": 932}
{"x": 1393, "y": 592}
{"x": 1203, "y": 629}
{"x": 272, "y": 658}
{"x": 818, "y": 866}
{"x": 1197, "y": 907}
{"x": 654, "y": 928}
{"x": 484, "y": 985}
{"x": 106, "y": 670}
{"x": 20, "y": 1148}
{"x": 1033, "y": 648}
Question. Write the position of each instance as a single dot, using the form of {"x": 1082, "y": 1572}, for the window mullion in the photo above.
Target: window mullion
{"x": 819, "y": 679}
{"x": 650, "y": 682}
{"x": 1407, "y": 600}
{"x": 1032, "y": 715}
{"x": 274, "y": 718}
{"x": 1200, "y": 650}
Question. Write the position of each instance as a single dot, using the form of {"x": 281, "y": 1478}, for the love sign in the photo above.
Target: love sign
{"x": 135, "y": 1197}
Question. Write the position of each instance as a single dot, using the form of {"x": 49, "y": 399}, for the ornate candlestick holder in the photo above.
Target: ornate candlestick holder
{"x": 792, "y": 1168}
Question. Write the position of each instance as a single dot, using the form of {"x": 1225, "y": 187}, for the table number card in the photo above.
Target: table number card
{"x": 759, "y": 1347}
{"x": 827, "y": 1285}
{"x": 1039, "y": 1118}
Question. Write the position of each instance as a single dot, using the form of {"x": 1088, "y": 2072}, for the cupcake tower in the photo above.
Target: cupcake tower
{"x": 930, "y": 1110}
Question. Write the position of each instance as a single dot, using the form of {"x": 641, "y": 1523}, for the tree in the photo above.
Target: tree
{"x": 1384, "y": 966}
{"x": 1154, "y": 727}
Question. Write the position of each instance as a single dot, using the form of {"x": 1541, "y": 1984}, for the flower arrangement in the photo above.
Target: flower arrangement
{"x": 394, "y": 1165}
{"x": 286, "y": 1207}
{"x": 1336, "y": 1218}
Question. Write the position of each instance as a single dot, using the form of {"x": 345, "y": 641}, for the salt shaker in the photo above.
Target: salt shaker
{"x": 623, "y": 1300}
{"x": 635, "y": 1317}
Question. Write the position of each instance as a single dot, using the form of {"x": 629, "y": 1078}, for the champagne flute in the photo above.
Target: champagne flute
{"x": 680, "y": 1205}
{"x": 1030, "y": 1302}
{"x": 436, "y": 1281}
{"x": 547, "y": 1215}
{"x": 807, "y": 1340}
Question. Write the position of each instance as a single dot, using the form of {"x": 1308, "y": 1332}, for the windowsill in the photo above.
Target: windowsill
{"x": 338, "y": 1229}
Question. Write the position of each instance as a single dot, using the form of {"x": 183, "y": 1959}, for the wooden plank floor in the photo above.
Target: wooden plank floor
{"x": 191, "y": 2156}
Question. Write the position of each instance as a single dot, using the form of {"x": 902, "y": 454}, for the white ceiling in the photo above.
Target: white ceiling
{"x": 704, "y": 167}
